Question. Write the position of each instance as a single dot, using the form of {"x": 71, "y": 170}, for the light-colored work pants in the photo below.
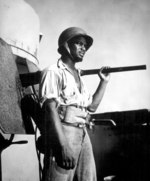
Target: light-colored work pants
{"x": 84, "y": 170}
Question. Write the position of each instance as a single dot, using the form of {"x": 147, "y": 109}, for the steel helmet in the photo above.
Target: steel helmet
{"x": 70, "y": 33}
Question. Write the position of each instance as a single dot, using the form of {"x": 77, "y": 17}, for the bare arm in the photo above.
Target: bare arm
{"x": 98, "y": 95}
{"x": 63, "y": 153}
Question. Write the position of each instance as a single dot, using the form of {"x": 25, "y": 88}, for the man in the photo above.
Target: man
{"x": 67, "y": 102}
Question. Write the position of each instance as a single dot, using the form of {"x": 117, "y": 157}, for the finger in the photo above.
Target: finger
{"x": 70, "y": 163}
{"x": 61, "y": 163}
{"x": 105, "y": 70}
{"x": 101, "y": 69}
{"x": 67, "y": 164}
{"x": 73, "y": 163}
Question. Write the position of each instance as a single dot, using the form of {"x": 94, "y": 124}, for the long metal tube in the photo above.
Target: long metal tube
{"x": 34, "y": 77}
{"x": 113, "y": 69}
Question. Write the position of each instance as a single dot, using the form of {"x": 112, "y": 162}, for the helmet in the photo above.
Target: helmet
{"x": 70, "y": 33}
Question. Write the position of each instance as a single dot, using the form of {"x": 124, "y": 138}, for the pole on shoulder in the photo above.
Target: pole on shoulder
{"x": 113, "y": 70}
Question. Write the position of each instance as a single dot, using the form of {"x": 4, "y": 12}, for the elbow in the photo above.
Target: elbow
{"x": 92, "y": 109}
{"x": 49, "y": 106}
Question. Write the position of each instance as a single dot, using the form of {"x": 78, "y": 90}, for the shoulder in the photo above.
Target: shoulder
{"x": 52, "y": 70}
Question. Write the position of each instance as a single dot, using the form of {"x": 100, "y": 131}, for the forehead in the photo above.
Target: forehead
{"x": 79, "y": 39}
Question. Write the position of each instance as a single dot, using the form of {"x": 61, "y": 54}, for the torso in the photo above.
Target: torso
{"x": 77, "y": 79}
{"x": 64, "y": 84}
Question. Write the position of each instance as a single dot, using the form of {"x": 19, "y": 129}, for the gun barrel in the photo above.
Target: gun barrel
{"x": 113, "y": 69}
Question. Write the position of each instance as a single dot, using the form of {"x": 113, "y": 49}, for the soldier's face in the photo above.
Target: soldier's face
{"x": 78, "y": 47}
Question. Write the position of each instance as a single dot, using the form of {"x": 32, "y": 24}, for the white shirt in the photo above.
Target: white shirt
{"x": 58, "y": 83}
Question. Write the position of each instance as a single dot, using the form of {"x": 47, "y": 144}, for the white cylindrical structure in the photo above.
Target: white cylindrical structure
{"x": 20, "y": 28}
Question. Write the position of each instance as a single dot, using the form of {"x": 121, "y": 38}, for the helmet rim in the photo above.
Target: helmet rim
{"x": 70, "y": 33}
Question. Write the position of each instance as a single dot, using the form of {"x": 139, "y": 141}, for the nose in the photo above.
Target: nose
{"x": 83, "y": 47}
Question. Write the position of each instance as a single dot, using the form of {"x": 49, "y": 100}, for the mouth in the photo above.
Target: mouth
{"x": 82, "y": 54}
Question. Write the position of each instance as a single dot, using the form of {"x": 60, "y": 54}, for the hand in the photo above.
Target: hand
{"x": 104, "y": 76}
{"x": 64, "y": 158}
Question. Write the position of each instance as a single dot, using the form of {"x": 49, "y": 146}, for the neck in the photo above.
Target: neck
{"x": 69, "y": 62}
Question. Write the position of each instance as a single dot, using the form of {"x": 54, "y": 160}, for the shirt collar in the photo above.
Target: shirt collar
{"x": 62, "y": 65}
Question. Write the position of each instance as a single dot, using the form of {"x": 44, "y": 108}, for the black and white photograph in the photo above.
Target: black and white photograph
{"x": 74, "y": 90}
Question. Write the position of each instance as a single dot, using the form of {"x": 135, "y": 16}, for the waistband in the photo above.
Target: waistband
{"x": 74, "y": 115}
{"x": 77, "y": 125}
{"x": 82, "y": 108}
{"x": 72, "y": 109}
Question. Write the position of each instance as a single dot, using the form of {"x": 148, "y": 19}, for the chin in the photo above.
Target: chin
{"x": 79, "y": 59}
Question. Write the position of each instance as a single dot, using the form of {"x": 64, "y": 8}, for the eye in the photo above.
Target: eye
{"x": 81, "y": 44}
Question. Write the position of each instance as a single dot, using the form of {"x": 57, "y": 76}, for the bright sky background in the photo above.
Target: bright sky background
{"x": 121, "y": 32}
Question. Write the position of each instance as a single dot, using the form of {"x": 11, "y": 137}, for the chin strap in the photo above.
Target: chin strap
{"x": 68, "y": 50}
